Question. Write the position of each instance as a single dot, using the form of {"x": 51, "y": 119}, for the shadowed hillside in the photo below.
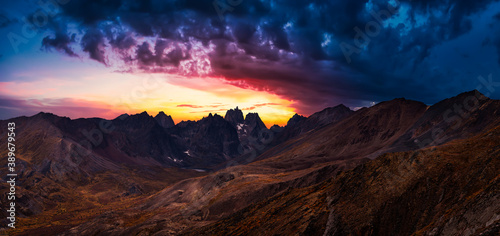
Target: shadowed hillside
{"x": 451, "y": 189}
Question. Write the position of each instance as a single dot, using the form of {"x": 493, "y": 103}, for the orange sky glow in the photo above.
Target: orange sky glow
{"x": 109, "y": 94}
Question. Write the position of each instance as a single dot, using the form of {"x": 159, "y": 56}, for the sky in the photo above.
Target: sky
{"x": 188, "y": 58}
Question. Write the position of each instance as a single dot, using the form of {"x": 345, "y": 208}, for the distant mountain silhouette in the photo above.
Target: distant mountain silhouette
{"x": 164, "y": 120}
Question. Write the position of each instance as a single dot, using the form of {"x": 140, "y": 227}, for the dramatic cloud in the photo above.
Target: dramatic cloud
{"x": 259, "y": 105}
{"x": 316, "y": 53}
{"x": 60, "y": 42}
{"x": 93, "y": 43}
{"x": 165, "y": 54}
{"x": 205, "y": 106}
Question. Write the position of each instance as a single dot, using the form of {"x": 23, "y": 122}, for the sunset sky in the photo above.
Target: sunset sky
{"x": 188, "y": 58}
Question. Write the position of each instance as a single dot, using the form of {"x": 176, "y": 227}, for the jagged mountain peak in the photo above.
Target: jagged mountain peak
{"x": 44, "y": 114}
{"x": 234, "y": 116}
{"x": 138, "y": 120}
{"x": 276, "y": 128}
{"x": 122, "y": 116}
{"x": 214, "y": 116}
{"x": 469, "y": 96}
{"x": 474, "y": 92}
{"x": 398, "y": 102}
{"x": 252, "y": 115}
{"x": 50, "y": 117}
{"x": 330, "y": 114}
{"x": 253, "y": 119}
{"x": 143, "y": 114}
{"x": 340, "y": 107}
{"x": 164, "y": 120}
{"x": 295, "y": 119}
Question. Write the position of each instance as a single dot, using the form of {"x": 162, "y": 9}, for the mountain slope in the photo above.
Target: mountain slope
{"x": 59, "y": 179}
{"x": 452, "y": 189}
{"x": 298, "y": 125}
{"x": 365, "y": 133}
{"x": 458, "y": 117}
{"x": 396, "y": 125}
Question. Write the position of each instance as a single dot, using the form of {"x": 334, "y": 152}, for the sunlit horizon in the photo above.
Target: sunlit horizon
{"x": 97, "y": 91}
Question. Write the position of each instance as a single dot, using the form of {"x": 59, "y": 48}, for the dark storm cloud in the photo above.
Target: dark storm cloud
{"x": 496, "y": 40}
{"x": 147, "y": 58}
{"x": 93, "y": 43}
{"x": 60, "y": 42}
{"x": 291, "y": 48}
{"x": 122, "y": 40}
{"x": 458, "y": 11}
{"x": 93, "y": 11}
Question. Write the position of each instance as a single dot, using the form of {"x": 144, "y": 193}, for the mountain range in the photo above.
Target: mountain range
{"x": 400, "y": 167}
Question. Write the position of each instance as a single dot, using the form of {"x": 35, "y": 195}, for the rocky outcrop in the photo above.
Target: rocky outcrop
{"x": 164, "y": 120}
{"x": 234, "y": 117}
{"x": 253, "y": 125}
{"x": 295, "y": 120}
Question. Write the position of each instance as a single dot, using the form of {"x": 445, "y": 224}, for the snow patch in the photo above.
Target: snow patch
{"x": 175, "y": 160}
{"x": 240, "y": 126}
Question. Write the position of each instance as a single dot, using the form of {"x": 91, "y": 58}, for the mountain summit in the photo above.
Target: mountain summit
{"x": 164, "y": 120}
{"x": 234, "y": 116}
